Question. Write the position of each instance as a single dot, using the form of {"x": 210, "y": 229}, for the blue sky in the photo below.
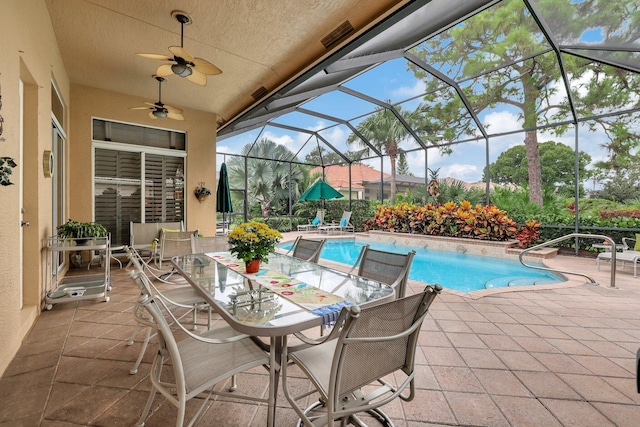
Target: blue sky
{"x": 394, "y": 81}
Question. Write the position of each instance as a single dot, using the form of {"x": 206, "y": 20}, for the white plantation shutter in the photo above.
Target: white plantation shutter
{"x": 124, "y": 172}
{"x": 164, "y": 184}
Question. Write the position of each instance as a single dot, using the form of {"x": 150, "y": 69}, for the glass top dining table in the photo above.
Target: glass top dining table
{"x": 286, "y": 296}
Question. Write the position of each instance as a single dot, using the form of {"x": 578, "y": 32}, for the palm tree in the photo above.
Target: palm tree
{"x": 267, "y": 174}
{"x": 384, "y": 131}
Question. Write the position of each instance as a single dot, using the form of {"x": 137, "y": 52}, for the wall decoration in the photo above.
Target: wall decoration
{"x": 47, "y": 163}
{"x": 6, "y": 168}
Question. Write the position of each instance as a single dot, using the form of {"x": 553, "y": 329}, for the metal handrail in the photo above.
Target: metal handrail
{"x": 569, "y": 236}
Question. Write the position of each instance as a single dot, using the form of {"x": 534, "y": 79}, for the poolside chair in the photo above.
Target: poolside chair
{"x": 181, "y": 297}
{"x": 624, "y": 256}
{"x": 387, "y": 267}
{"x": 182, "y": 370}
{"x": 307, "y": 249}
{"x": 367, "y": 361}
{"x": 318, "y": 221}
{"x": 342, "y": 226}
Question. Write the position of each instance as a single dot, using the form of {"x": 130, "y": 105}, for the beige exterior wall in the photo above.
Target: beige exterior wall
{"x": 29, "y": 53}
{"x": 88, "y": 102}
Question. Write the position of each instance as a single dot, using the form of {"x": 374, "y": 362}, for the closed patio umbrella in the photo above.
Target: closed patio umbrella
{"x": 320, "y": 190}
{"x": 223, "y": 195}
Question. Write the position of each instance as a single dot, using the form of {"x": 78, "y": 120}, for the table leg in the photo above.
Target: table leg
{"x": 275, "y": 359}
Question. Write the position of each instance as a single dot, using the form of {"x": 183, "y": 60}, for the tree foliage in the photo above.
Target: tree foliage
{"x": 557, "y": 166}
{"x": 384, "y": 131}
{"x": 504, "y": 58}
{"x": 267, "y": 174}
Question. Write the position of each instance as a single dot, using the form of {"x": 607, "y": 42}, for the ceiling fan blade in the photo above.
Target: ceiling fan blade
{"x": 164, "y": 70}
{"x": 197, "y": 77}
{"x": 182, "y": 53}
{"x": 151, "y": 116}
{"x": 172, "y": 109}
{"x": 140, "y": 108}
{"x": 152, "y": 105}
{"x": 156, "y": 56}
{"x": 206, "y": 67}
{"x": 175, "y": 116}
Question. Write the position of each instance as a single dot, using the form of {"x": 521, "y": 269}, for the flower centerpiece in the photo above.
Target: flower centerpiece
{"x": 253, "y": 242}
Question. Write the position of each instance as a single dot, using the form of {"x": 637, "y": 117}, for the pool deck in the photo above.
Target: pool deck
{"x": 559, "y": 355}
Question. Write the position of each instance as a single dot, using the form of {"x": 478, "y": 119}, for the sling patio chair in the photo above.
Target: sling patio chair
{"x": 366, "y": 361}
{"x": 318, "y": 221}
{"x": 183, "y": 298}
{"x": 387, "y": 267}
{"x": 203, "y": 244}
{"x": 307, "y": 249}
{"x": 343, "y": 225}
{"x": 182, "y": 370}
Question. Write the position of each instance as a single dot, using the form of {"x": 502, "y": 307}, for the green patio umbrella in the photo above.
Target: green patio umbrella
{"x": 223, "y": 195}
{"x": 320, "y": 190}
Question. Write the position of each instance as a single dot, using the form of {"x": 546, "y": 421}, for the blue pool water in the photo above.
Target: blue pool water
{"x": 460, "y": 272}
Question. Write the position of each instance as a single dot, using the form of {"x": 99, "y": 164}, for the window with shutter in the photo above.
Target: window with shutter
{"x": 136, "y": 163}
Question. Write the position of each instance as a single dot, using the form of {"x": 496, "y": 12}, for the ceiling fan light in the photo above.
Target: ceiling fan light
{"x": 161, "y": 114}
{"x": 181, "y": 69}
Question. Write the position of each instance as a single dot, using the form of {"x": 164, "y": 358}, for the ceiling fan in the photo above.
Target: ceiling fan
{"x": 184, "y": 64}
{"x": 160, "y": 110}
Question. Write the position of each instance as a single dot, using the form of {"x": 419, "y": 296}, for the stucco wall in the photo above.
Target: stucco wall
{"x": 90, "y": 102}
{"x": 28, "y": 52}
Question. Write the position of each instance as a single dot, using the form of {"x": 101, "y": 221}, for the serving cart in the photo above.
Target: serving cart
{"x": 76, "y": 287}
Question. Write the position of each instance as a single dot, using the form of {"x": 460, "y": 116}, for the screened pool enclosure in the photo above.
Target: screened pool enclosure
{"x": 534, "y": 95}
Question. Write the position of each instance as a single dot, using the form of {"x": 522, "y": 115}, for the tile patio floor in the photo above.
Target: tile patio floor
{"x": 560, "y": 356}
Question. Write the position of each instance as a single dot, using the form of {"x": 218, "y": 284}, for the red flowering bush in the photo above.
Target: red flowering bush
{"x": 448, "y": 219}
{"x": 529, "y": 234}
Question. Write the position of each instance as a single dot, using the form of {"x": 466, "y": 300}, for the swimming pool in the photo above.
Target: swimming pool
{"x": 460, "y": 272}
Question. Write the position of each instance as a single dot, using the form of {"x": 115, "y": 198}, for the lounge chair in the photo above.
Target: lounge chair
{"x": 315, "y": 223}
{"x": 342, "y": 226}
{"x": 626, "y": 255}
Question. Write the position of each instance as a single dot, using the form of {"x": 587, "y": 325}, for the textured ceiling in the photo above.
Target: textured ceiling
{"x": 255, "y": 43}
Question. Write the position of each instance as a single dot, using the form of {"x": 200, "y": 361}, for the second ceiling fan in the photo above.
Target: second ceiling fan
{"x": 159, "y": 110}
{"x": 184, "y": 64}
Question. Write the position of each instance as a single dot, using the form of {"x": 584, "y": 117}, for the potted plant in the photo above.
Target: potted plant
{"x": 253, "y": 242}
{"x": 83, "y": 231}
{"x": 202, "y": 192}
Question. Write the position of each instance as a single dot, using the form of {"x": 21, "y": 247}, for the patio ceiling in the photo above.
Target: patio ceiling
{"x": 308, "y": 109}
{"x": 256, "y": 44}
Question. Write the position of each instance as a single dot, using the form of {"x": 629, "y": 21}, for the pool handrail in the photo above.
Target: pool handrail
{"x": 566, "y": 237}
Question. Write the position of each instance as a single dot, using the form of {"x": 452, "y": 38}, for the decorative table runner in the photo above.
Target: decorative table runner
{"x": 317, "y": 301}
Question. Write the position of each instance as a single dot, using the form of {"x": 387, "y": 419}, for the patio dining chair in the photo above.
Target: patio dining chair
{"x": 181, "y": 297}
{"x": 203, "y": 244}
{"x": 182, "y": 370}
{"x": 386, "y": 267}
{"x": 307, "y": 249}
{"x": 367, "y": 361}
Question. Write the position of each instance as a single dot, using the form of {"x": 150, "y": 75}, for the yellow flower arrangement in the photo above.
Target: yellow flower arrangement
{"x": 254, "y": 240}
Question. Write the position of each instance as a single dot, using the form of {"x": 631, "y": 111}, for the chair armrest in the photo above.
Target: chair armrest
{"x": 626, "y": 245}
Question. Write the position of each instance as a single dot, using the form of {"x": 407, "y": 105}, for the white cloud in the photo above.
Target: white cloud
{"x": 501, "y": 122}
{"x": 285, "y": 140}
{"x": 405, "y": 92}
{"x": 467, "y": 173}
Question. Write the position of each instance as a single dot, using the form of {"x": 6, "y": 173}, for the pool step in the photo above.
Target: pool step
{"x": 501, "y": 282}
